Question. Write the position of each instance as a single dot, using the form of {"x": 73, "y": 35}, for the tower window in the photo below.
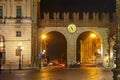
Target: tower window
{"x": 18, "y": 33}
{"x": 18, "y": 11}
{"x": 1, "y": 11}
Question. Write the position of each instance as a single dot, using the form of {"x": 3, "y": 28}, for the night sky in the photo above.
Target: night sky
{"x": 77, "y": 5}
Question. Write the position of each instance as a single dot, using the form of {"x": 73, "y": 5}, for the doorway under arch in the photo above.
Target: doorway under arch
{"x": 89, "y": 48}
{"x": 56, "y": 47}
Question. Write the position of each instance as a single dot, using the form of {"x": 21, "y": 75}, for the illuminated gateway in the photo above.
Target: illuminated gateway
{"x": 86, "y": 34}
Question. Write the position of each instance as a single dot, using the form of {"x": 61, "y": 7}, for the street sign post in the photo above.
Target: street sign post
{"x": 40, "y": 56}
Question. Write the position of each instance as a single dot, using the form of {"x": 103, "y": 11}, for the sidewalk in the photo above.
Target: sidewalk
{"x": 47, "y": 68}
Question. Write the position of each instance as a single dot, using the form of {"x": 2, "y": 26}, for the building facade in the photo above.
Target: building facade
{"x": 15, "y": 31}
{"x": 99, "y": 24}
{"x": 21, "y": 27}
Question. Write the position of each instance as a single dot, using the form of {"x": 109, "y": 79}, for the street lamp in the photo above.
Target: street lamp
{"x": 92, "y": 35}
{"x": 43, "y": 48}
{"x": 44, "y": 43}
{"x": 44, "y": 36}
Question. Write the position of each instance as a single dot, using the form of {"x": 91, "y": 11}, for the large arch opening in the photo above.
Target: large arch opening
{"x": 89, "y": 48}
{"x": 56, "y": 47}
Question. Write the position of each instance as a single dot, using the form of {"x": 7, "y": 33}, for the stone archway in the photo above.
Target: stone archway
{"x": 89, "y": 48}
{"x": 57, "y": 46}
{"x": 71, "y": 40}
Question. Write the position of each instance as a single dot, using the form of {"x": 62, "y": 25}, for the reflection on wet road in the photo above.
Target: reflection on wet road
{"x": 60, "y": 74}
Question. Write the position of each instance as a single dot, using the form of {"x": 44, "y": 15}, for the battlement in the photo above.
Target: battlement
{"x": 81, "y": 19}
{"x": 77, "y": 16}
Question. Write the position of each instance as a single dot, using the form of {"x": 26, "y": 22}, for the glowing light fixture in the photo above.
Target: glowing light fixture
{"x": 92, "y": 35}
{"x": 44, "y": 36}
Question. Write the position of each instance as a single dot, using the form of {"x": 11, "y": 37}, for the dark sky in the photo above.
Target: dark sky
{"x": 77, "y": 5}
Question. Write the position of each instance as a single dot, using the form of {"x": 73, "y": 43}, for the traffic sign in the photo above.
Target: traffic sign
{"x": 40, "y": 56}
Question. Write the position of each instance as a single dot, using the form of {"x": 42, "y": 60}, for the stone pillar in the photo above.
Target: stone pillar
{"x": 26, "y": 3}
{"x": 71, "y": 51}
{"x": 105, "y": 50}
{"x": 8, "y": 8}
{"x": 34, "y": 56}
{"x": 27, "y": 8}
{"x": 38, "y": 9}
{"x": 12, "y": 8}
{"x": 24, "y": 9}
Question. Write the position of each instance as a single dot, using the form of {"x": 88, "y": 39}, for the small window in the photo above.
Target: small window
{"x": 18, "y": 11}
{"x": 1, "y": 11}
{"x": 18, "y": 33}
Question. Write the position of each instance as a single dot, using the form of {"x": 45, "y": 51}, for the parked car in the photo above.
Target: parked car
{"x": 76, "y": 65}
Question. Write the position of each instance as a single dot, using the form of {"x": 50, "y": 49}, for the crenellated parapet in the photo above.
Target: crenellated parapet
{"x": 75, "y": 16}
{"x": 80, "y": 19}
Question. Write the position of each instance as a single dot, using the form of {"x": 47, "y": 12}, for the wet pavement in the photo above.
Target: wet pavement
{"x": 83, "y": 73}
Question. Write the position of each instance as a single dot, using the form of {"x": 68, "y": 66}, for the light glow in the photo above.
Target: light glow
{"x": 44, "y": 36}
{"x": 92, "y": 35}
{"x": 99, "y": 51}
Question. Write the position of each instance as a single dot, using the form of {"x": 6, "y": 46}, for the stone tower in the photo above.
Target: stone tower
{"x": 35, "y": 15}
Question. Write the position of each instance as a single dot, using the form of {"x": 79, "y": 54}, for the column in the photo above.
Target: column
{"x": 11, "y": 8}
{"x": 71, "y": 51}
{"x": 26, "y": 7}
{"x": 8, "y": 8}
